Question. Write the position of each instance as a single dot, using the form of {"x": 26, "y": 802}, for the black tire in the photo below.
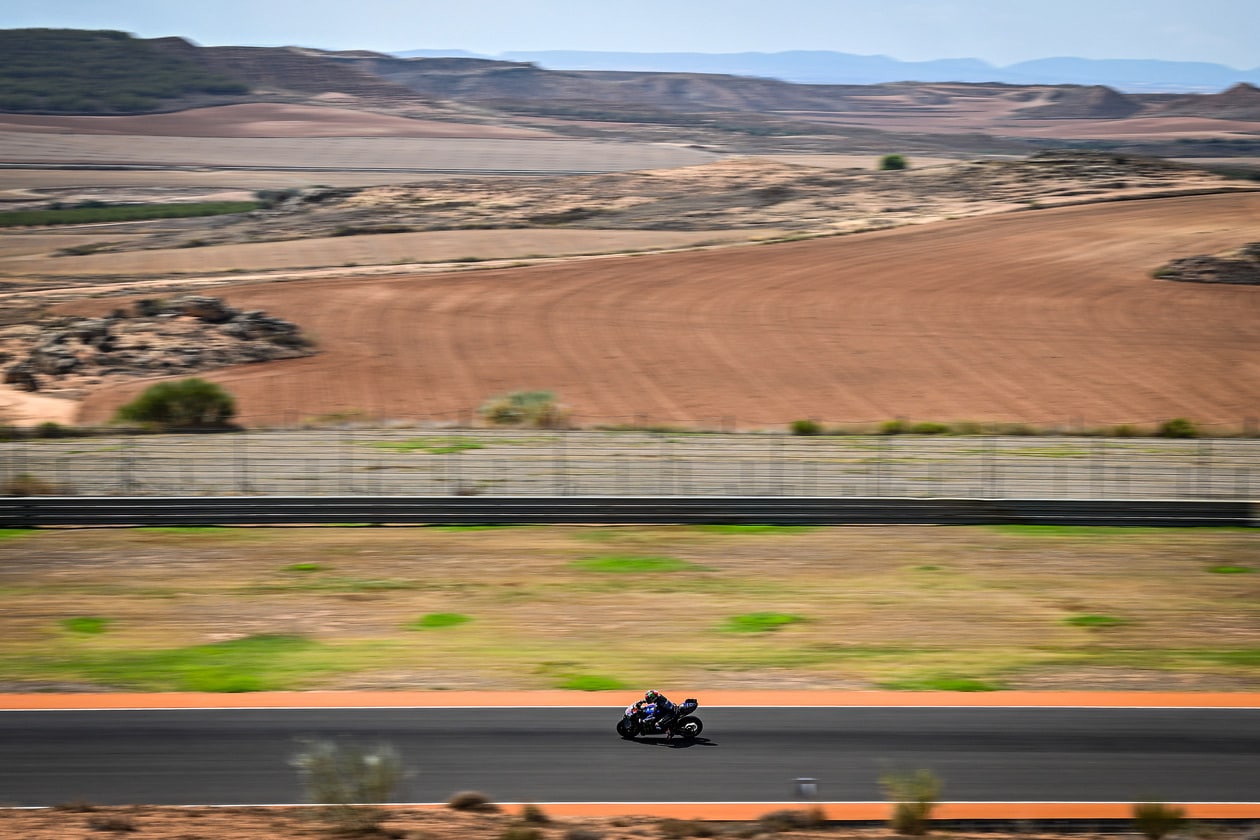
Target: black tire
{"x": 627, "y": 728}
{"x": 689, "y": 727}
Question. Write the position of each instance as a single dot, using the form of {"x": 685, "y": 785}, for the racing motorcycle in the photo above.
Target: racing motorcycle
{"x": 643, "y": 721}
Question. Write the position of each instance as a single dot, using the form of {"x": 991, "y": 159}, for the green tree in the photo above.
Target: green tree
{"x": 893, "y": 162}
{"x": 185, "y": 404}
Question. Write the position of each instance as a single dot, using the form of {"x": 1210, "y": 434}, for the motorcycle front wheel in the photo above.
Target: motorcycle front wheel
{"x": 626, "y": 728}
{"x": 689, "y": 727}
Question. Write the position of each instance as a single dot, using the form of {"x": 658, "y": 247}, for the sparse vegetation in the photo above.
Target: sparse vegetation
{"x": 1155, "y": 820}
{"x": 890, "y": 163}
{"x": 1178, "y": 427}
{"x": 537, "y": 409}
{"x": 28, "y": 484}
{"x": 122, "y": 213}
{"x": 436, "y": 621}
{"x": 625, "y": 564}
{"x": 914, "y": 797}
{"x": 806, "y": 427}
{"x": 96, "y": 72}
{"x": 85, "y": 625}
{"x": 183, "y": 404}
{"x": 471, "y": 800}
{"x": 1094, "y": 622}
{"x": 792, "y": 819}
{"x": 760, "y": 622}
{"x": 348, "y": 780}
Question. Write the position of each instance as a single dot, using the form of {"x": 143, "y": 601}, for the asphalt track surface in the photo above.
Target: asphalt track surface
{"x": 746, "y": 754}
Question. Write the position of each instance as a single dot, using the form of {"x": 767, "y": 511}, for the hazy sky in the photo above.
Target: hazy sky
{"x": 999, "y": 31}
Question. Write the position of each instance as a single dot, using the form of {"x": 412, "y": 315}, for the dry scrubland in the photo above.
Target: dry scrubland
{"x": 962, "y": 608}
{"x": 156, "y": 823}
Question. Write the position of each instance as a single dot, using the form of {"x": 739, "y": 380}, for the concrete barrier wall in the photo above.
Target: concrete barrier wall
{"x": 39, "y": 511}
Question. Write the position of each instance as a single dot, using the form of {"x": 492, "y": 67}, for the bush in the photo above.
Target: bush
{"x": 471, "y": 800}
{"x": 347, "y": 780}
{"x": 521, "y": 832}
{"x": 185, "y": 404}
{"x": 675, "y": 828}
{"x": 580, "y": 833}
{"x": 890, "y": 163}
{"x": 538, "y": 409}
{"x": 914, "y": 796}
{"x": 929, "y": 428}
{"x": 792, "y": 819}
{"x": 1155, "y": 819}
{"x": 805, "y": 427}
{"x": 532, "y": 814}
{"x": 1178, "y": 427}
{"x": 894, "y": 427}
{"x": 111, "y": 822}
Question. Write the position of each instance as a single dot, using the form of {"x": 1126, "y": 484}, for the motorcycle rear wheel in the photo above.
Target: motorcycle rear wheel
{"x": 689, "y": 727}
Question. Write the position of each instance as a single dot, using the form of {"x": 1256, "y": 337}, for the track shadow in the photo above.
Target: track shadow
{"x": 675, "y": 743}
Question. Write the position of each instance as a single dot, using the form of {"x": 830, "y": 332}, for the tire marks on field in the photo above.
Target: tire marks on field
{"x": 1041, "y": 317}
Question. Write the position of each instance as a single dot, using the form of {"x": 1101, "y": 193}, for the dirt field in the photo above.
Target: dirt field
{"x": 1032, "y": 316}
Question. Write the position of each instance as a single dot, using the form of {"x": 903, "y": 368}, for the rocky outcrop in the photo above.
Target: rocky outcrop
{"x": 1238, "y": 268}
{"x": 185, "y": 334}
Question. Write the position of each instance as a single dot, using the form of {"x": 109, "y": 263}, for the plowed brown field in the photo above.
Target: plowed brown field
{"x": 1037, "y": 316}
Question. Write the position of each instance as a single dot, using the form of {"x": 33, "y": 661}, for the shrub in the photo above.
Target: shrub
{"x": 579, "y": 833}
{"x": 1124, "y": 430}
{"x": 347, "y": 779}
{"x": 806, "y": 427}
{"x": 914, "y": 797}
{"x": 111, "y": 822}
{"x": 184, "y": 404}
{"x": 792, "y": 819}
{"x": 532, "y": 814}
{"x": 893, "y": 427}
{"x": 684, "y": 828}
{"x": 538, "y": 409}
{"x": 1155, "y": 819}
{"x": 49, "y": 429}
{"x": 929, "y": 428}
{"x": 1178, "y": 427}
{"x": 521, "y": 832}
{"x": 471, "y": 800}
{"x": 890, "y": 163}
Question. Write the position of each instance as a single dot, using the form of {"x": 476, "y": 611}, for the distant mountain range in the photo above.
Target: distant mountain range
{"x": 837, "y": 68}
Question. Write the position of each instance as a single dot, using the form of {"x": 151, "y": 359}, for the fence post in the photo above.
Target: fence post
{"x": 242, "y": 463}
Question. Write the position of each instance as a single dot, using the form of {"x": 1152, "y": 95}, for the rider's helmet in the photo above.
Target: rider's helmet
{"x": 652, "y": 696}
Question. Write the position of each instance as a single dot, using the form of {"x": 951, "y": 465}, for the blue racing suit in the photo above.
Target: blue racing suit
{"x": 665, "y": 714}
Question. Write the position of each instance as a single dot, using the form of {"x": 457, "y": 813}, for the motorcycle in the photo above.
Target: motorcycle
{"x": 643, "y": 721}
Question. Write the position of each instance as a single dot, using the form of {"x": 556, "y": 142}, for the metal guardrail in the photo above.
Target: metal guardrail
{"x": 37, "y": 511}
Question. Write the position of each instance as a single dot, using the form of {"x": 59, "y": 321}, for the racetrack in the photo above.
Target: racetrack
{"x": 551, "y": 754}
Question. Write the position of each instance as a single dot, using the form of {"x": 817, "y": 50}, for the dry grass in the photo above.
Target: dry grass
{"x": 895, "y": 607}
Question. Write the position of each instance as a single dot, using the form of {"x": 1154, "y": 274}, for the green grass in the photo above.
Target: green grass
{"x": 1230, "y": 570}
{"x": 85, "y": 625}
{"x": 433, "y": 446}
{"x": 434, "y": 621}
{"x": 591, "y": 682}
{"x": 254, "y": 663}
{"x": 123, "y": 213}
{"x": 1094, "y": 621}
{"x": 941, "y": 684}
{"x": 633, "y": 564}
{"x": 304, "y": 567}
{"x": 334, "y": 584}
{"x": 755, "y": 529}
{"x": 760, "y": 622}
{"x": 16, "y": 533}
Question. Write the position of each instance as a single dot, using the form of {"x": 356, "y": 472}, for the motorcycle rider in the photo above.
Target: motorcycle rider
{"x": 665, "y": 711}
